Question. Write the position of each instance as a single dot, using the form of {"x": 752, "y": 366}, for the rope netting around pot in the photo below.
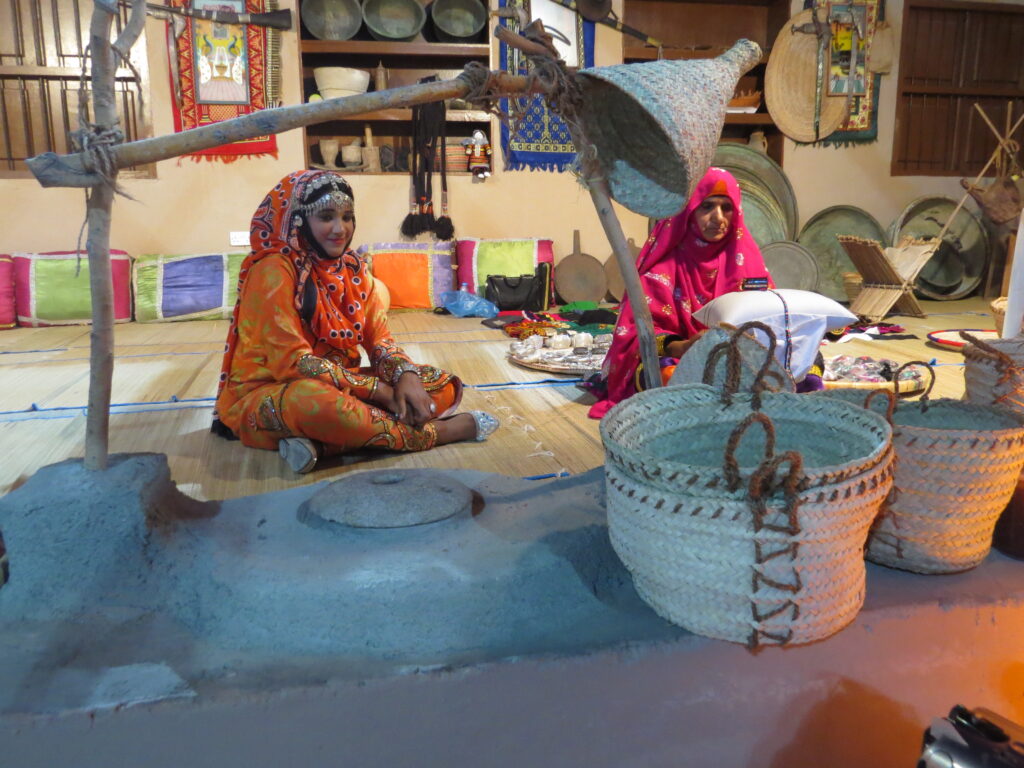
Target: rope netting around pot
{"x": 956, "y": 467}
{"x": 748, "y": 535}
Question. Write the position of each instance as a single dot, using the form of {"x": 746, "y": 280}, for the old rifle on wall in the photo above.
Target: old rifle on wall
{"x": 275, "y": 19}
{"x": 613, "y": 22}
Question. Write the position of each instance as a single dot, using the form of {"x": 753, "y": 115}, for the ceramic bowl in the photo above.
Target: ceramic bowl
{"x": 337, "y": 93}
{"x": 340, "y": 78}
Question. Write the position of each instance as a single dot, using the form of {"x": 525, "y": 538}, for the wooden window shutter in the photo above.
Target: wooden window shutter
{"x": 42, "y": 52}
{"x": 953, "y": 55}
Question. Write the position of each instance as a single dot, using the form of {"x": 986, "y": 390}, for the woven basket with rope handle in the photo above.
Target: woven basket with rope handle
{"x": 957, "y": 465}
{"x": 755, "y": 539}
{"x": 994, "y": 371}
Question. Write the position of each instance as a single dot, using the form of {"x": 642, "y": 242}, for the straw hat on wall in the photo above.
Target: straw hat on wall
{"x": 791, "y": 80}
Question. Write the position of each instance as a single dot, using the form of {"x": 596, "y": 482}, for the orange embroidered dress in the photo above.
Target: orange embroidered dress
{"x": 285, "y": 376}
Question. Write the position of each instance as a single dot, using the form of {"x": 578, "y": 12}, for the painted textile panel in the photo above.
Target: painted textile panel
{"x": 8, "y": 316}
{"x": 542, "y": 141}
{"x": 53, "y": 288}
{"x": 415, "y": 273}
{"x": 480, "y": 258}
{"x": 222, "y": 71}
{"x": 191, "y": 287}
{"x": 862, "y": 124}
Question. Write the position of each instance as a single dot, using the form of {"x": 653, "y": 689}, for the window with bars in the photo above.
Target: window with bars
{"x": 953, "y": 55}
{"x": 42, "y": 53}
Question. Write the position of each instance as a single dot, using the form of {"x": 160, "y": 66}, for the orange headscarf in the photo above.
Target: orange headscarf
{"x": 341, "y": 284}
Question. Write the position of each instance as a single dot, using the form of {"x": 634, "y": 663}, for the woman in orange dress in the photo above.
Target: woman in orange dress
{"x": 291, "y": 378}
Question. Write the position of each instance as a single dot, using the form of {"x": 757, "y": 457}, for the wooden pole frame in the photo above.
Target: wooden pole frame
{"x": 52, "y": 170}
{"x": 76, "y": 170}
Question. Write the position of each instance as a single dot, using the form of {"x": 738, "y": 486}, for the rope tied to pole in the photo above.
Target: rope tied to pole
{"x": 483, "y": 86}
{"x": 96, "y": 142}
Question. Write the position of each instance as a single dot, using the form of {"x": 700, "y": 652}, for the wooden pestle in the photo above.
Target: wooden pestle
{"x": 371, "y": 154}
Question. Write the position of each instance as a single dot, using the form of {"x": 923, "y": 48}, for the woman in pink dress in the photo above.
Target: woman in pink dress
{"x": 697, "y": 255}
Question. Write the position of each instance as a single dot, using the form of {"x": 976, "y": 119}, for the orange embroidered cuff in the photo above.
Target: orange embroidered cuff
{"x": 361, "y": 385}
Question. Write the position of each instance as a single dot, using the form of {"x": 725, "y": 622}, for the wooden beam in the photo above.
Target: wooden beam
{"x": 52, "y": 170}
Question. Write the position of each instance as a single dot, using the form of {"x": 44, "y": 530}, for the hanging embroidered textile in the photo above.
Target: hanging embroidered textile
{"x": 542, "y": 141}
{"x": 222, "y": 71}
{"x": 861, "y": 127}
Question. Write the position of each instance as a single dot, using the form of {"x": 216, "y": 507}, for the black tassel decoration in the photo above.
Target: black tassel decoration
{"x": 428, "y": 219}
{"x": 408, "y": 228}
{"x": 443, "y": 227}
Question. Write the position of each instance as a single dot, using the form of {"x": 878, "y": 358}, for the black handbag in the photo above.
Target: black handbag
{"x": 508, "y": 292}
{"x": 529, "y": 292}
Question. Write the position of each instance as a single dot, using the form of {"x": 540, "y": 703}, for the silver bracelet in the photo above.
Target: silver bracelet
{"x": 402, "y": 368}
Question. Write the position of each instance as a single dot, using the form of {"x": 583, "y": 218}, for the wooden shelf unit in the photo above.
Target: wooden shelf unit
{"x": 703, "y": 29}
{"x": 406, "y": 63}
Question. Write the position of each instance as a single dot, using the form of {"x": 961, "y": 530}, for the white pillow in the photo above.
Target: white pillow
{"x": 806, "y": 315}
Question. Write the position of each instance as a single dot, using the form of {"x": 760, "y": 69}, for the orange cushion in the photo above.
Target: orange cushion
{"x": 415, "y": 273}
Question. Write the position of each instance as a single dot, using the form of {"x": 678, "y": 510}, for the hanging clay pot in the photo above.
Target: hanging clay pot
{"x": 655, "y": 125}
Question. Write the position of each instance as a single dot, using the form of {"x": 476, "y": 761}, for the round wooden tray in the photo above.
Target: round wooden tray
{"x": 907, "y": 386}
{"x": 566, "y": 368}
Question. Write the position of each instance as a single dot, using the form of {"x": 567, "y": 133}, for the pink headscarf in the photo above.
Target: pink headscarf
{"x": 679, "y": 274}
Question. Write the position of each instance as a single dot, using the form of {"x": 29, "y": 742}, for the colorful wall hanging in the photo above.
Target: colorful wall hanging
{"x": 861, "y": 127}
{"x": 223, "y": 72}
{"x": 542, "y": 141}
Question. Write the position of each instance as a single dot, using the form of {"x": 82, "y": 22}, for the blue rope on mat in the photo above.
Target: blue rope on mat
{"x": 547, "y": 476}
{"x": 71, "y": 412}
{"x": 32, "y": 351}
{"x": 116, "y": 357}
{"x": 174, "y": 399}
{"x": 524, "y": 384}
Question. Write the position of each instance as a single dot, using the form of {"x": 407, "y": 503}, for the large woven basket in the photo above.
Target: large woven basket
{"x": 754, "y": 538}
{"x": 957, "y": 465}
{"x": 994, "y": 371}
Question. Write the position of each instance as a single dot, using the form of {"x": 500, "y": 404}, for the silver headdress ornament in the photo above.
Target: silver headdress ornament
{"x": 333, "y": 195}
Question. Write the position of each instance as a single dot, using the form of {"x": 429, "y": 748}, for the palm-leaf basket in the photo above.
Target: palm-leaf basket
{"x": 957, "y": 465}
{"x": 749, "y": 536}
{"x": 994, "y": 371}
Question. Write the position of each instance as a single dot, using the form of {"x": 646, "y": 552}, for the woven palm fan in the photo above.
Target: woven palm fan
{"x": 791, "y": 83}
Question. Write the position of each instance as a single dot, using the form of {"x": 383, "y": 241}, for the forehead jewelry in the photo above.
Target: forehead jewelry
{"x": 332, "y": 194}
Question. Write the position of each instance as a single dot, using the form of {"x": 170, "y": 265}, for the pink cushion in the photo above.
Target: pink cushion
{"x": 51, "y": 289}
{"x": 479, "y": 258}
{"x": 8, "y": 318}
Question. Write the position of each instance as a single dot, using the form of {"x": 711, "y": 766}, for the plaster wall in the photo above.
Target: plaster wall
{"x": 190, "y": 207}
{"x": 859, "y": 174}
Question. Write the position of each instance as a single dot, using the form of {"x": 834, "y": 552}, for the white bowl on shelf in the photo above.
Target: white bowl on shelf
{"x": 341, "y": 78}
{"x": 337, "y": 93}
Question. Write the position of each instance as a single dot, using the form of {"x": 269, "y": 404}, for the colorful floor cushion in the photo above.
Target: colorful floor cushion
{"x": 191, "y": 287}
{"x": 8, "y": 318}
{"x": 53, "y": 288}
{"x": 479, "y": 258}
{"x": 415, "y": 273}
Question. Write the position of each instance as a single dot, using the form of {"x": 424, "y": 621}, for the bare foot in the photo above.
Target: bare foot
{"x": 454, "y": 429}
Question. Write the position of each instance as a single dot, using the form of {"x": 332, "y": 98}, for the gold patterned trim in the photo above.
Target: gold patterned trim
{"x": 314, "y": 367}
{"x": 267, "y": 416}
